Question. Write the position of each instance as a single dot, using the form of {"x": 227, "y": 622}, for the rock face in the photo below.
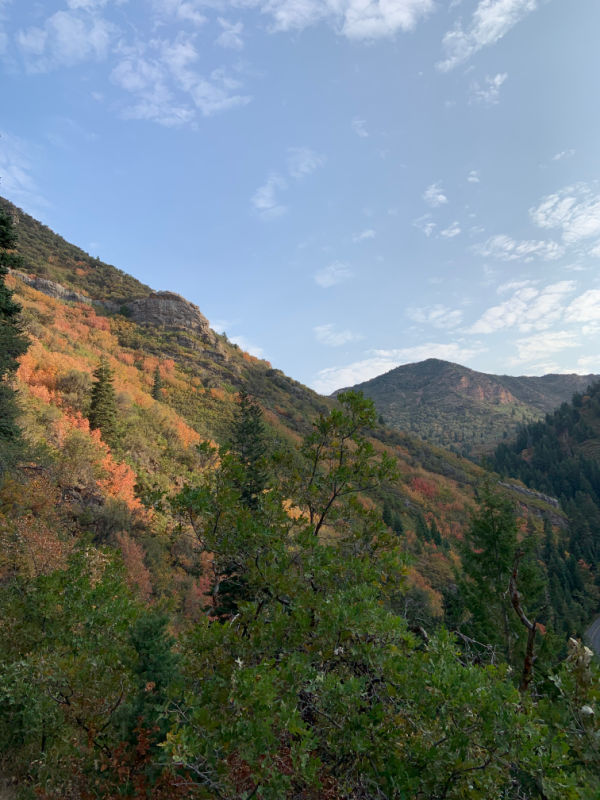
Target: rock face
{"x": 51, "y": 288}
{"x": 170, "y": 310}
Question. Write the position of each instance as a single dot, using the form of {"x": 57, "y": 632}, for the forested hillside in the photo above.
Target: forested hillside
{"x": 216, "y": 584}
{"x": 560, "y": 456}
{"x": 466, "y": 411}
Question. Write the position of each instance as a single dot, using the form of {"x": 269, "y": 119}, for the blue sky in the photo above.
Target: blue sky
{"x": 341, "y": 185}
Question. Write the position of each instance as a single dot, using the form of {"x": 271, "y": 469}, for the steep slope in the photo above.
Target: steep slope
{"x": 561, "y": 456}
{"x": 462, "y": 409}
{"x": 73, "y": 322}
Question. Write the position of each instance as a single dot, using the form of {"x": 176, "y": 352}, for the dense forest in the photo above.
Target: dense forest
{"x": 241, "y": 591}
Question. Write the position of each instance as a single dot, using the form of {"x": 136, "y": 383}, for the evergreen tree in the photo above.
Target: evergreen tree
{"x": 12, "y": 344}
{"x": 157, "y": 385}
{"x": 249, "y": 447}
{"x": 103, "y": 406}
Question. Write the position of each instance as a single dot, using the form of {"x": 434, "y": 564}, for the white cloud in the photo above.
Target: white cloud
{"x": 369, "y": 233}
{"x": 488, "y": 92}
{"x": 585, "y": 308}
{"x": 231, "y": 36}
{"x": 355, "y": 19}
{"x": 302, "y": 161}
{"x": 380, "y": 361}
{"x": 334, "y": 273}
{"x": 504, "y": 248}
{"x": 528, "y": 309}
{"x": 543, "y": 346}
{"x": 425, "y": 224}
{"x": 181, "y": 10}
{"x": 574, "y": 210}
{"x": 167, "y": 88}
{"x": 359, "y": 126}
{"x": 434, "y": 195}
{"x": 326, "y": 334}
{"x": 265, "y": 200}
{"x": 253, "y": 349}
{"x": 492, "y": 19}
{"x": 473, "y": 176}
{"x": 438, "y": 315}
{"x": 451, "y": 231}
{"x": 66, "y": 39}
{"x": 16, "y": 179}
{"x": 563, "y": 154}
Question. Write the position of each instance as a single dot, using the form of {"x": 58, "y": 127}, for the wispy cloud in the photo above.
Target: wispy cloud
{"x": 231, "y": 34}
{"x": 451, "y": 231}
{"x": 380, "y": 361}
{"x": 434, "y": 195}
{"x": 17, "y": 181}
{"x": 563, "y": 154}
{"x": 303, "y": 161}
{"x": 425, "y": 224}
{"x": 504, "y": 248}
{"x": 327, "y": 334}
{"x": 353, "y": 19}
{"x": 359, "y": 126}
{"x": 331, "y": 275}
{"x": 527, "y": 309}
{"x": 265, "y": 200}
{"x": 491, "y": 20}
{"x": 585, "y": 308}
{"x": 473, "y": 176}
{"x": 181, "y": 10}
{"x": 439, "y": 316}
{"x": 66, "y": 39}
{"x": 167, "y": 88}
{"x": 543, "y": 346}
{"x": 574, "y": 211}
{"x": 248, "y": 346}
{"x": 363, "y": 236}
{"x": 488, "y": 92}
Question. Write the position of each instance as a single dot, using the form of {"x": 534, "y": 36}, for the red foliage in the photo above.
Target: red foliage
{"x": 424, "y": 487}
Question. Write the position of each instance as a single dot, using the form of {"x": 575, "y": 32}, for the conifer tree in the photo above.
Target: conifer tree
{"x": 249, "y": 446}
{"x": 103, "y": 406}
{"x": 12, "y": 344}
{"x": 157, "y": 385}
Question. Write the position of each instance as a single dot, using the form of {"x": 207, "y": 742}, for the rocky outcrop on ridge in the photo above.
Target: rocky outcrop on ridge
{"x": 170, "y": 310}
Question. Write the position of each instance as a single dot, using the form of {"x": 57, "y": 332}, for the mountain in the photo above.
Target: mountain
{"x": 328, "y": 673}
{"x": 466, "y": 411}
{"x": 78, "y": 310}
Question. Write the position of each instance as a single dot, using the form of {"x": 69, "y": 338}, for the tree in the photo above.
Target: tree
{"x": 157, "y": 384}
{"x": 103, "y": 406}
{"x": 12, "y": 344}
{"x": 249, "y": 446}
{"x": 315, "y": 688}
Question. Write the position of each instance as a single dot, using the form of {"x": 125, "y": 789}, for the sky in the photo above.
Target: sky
{"x": 342, "y": 186}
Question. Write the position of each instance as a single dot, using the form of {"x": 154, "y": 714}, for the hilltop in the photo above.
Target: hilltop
{"x": 467, "y": 411}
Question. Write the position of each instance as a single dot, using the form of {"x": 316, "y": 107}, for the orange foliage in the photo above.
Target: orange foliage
{"x": 218, "y": 394}
{"x": 119, "y": 482}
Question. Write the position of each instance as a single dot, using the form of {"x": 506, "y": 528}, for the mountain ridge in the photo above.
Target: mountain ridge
{"x": 465, "y": 410}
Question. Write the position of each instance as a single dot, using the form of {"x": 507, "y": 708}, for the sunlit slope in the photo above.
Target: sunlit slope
{"x": 459, "y": 408}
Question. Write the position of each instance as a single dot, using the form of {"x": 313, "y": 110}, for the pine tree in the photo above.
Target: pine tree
{"x": 249, "y": 446}
{"x": 157, "y": 385}
{"x": 103, "y": 406}
{"x": 12, "y": 344}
